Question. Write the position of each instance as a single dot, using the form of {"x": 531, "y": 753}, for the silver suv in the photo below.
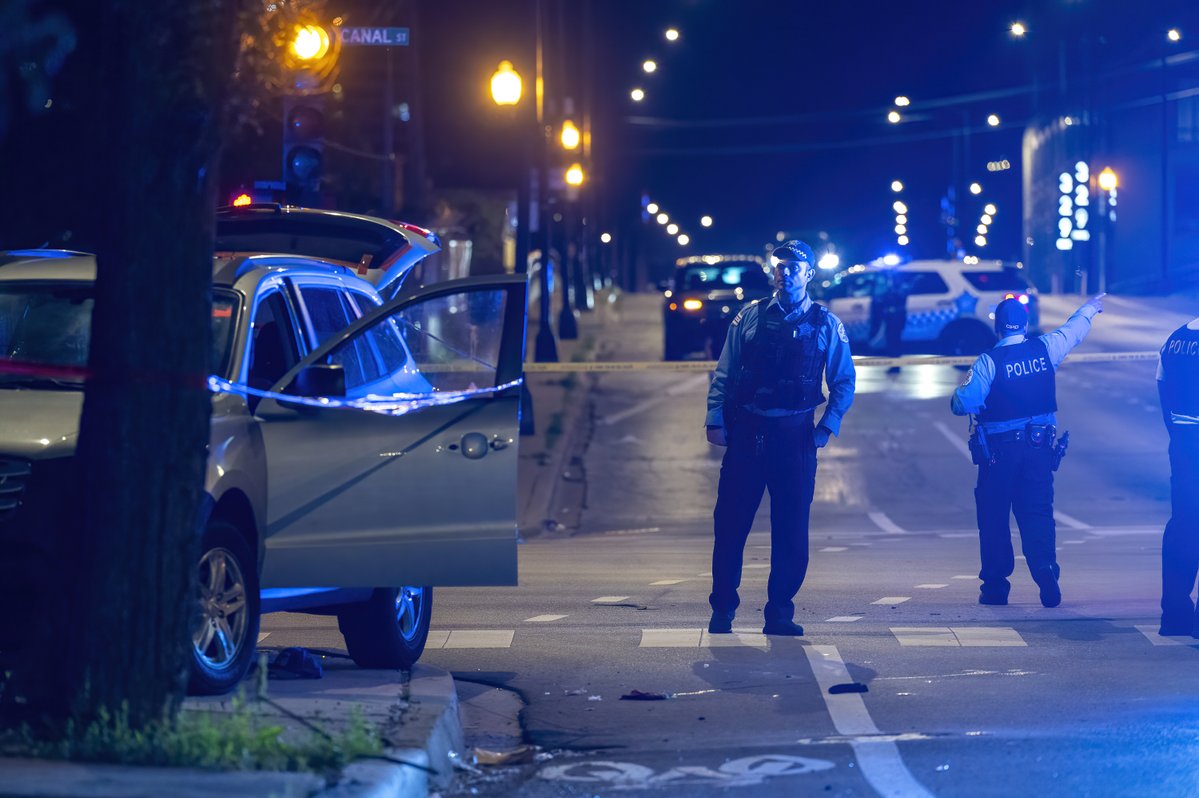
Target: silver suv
{"x": 360, "y": 452}
{"x": 950, "y": 303}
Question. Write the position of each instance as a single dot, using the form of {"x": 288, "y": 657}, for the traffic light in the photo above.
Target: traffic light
{"x": 303, "y": 148}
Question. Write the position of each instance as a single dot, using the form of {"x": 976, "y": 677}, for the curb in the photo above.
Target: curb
{"x": 369, "y": 778}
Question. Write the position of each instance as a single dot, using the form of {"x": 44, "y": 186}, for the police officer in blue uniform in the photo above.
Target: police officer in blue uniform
{"x": 1012, "y": 390}
{"x": 1178, "y": 386}
{"x": 761, "y": 405}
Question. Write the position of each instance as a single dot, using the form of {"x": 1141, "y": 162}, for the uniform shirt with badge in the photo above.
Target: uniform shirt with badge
{"x": 840, "y": 374}
{"x": 1031, "y": 366}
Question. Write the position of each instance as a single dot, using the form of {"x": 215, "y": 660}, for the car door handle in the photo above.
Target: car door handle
{"x": 944, "y": 303}
{"x": 474, "y": 445}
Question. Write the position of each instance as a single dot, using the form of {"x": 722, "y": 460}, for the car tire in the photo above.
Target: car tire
{"x": 388, "y": 630}
{"x": 966, "y": 339}
{"x": 226, "y": 632}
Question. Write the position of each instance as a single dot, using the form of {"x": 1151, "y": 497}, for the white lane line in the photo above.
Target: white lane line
{"x": 699, "y": 638}
{"x": 667, "y": 582}
{"x": 1072, "y": 542}
{"x": 879, "y": 759}
{"x": 835, "y": 548}
{"x": 670, "y": 638}
{"x": 1153, "y": 637}
{"x": 964, "y": 576}
{"x": 479, "y": 638}
{"x": 931, "y": 586}
{"x": 1069, "y": 520}
{"x": 756, "y": 565}
{"x": 886, "y": 524}
{"x": 643, "y": 531}
{"x": 951, "y": 535}
{"x": 658, "y": 398}
{"x": 892, "y": 600}
{"x": 843, "y": 619}
{"x": 609, "y": 599}
{"x": 958, "y": 636}
{"x": 263, "y": 636}
{"x": 955, "y": 439}
{"x": 544, "y": 618}
{"x": 747, "y": 638}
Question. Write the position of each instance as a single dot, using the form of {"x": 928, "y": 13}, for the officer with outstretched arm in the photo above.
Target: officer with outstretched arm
{"x": 1178, "y": 387}
{"x": 761, "y": 405}
{"x": 1013, "y": 392}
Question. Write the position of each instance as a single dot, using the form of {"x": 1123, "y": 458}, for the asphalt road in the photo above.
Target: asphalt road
{"x": 963, "y": 699}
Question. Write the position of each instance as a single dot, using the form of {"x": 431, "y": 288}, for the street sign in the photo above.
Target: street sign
{"x": 378, "y": 37}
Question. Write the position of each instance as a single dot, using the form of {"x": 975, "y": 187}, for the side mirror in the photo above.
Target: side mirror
{"x": 320, "y": 380}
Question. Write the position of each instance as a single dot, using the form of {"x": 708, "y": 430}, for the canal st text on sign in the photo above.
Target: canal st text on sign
{"x": 383, "y": 37}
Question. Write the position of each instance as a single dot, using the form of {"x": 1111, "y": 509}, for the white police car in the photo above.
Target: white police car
{"x": 950, "y": 303}
{"x": 359, "y": 452}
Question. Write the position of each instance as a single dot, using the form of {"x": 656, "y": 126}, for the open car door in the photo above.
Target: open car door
{"x": 410, "y": 477}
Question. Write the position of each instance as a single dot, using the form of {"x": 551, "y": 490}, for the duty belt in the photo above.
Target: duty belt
{"x": 1034, "y": 434}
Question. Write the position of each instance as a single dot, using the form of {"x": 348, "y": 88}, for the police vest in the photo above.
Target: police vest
{"x": 1180, "y": 372}
{"x": 783, "y": 364}
{"x": 1024, "y": 384}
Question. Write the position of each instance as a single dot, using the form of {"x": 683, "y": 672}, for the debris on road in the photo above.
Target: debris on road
{"x": 516, "y": 756}
{"x": 638, "y": 695}
{"x": 848, "y": 687}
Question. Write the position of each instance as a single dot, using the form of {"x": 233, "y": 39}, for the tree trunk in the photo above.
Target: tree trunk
{"x": 115, "y": 630}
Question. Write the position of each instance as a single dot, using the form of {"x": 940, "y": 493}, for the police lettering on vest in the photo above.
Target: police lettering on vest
{"x": 1023, "y": 368}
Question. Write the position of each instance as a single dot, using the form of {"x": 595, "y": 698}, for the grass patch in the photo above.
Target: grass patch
{"x": 243, "y": 739}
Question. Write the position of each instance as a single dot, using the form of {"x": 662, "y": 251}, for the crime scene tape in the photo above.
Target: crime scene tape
{"x": 858, "y": 362}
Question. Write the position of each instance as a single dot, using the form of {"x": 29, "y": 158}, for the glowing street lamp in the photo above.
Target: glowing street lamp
{"x": 896, "y": 186}
{"x": 980, "y": 240}
{"x": 574, "y": 175}
{"x": 705, "y": 221}
{"x": 672, "y": 229}
{"x": 684, "y": 239}
{"x": 975, "y": 188}
{"x": 899, "y": 207}
{"x": 672, "y": 35}
{"x": 570, "y": 135}
{"x": 990, "y": 209}
{"x": 649, "y": 66}
{"x": 1173, "y": 34}
{"x": 1018, "y": 29}
{"x": 902, "y": 101}
{"x": 637, "y": 94}
{"x": 652, "y": 208}
{"x": 506, "y": 85}
{"x": 893, "y": 117}
{"x": 993, "y": 120}
{"x": 1108, "y": 181}
{"x": 663, "y": 218}
{"x": 310, "y": 42}
{"x": 902, "y": 241}
{"x": 605, "y": 238}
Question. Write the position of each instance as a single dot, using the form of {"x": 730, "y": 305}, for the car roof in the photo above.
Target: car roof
{"x": 54, "y": 264}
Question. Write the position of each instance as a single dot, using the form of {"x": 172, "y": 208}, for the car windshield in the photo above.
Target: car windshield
{"x": 1005, "y": 280}
{"x": 724, "y": 275}
{"x": 49, "y": 325}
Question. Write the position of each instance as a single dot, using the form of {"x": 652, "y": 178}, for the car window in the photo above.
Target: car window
{"x": 46, "y": 323}
{"x": 272, "y": 343}
{"x": 925, "y": 283}
{"x": 1005, "y": 280}
{"x": 455, "y": 340}
{"x": 728, "y": 274}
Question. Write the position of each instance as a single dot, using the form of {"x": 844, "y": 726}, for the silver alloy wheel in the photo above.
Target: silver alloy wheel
{"x": 409, "y": 603}
{"x": 220, "y": 634}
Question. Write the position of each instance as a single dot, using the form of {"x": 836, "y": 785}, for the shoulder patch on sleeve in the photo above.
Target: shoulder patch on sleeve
{"x": 741, "y": 313}
{"x": 841, "y": 332}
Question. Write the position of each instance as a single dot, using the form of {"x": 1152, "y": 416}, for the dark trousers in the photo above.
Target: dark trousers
{"x": 779, "y": 454}
{"x": 1020, "y": 480}
{"x": 1180, "y": 543}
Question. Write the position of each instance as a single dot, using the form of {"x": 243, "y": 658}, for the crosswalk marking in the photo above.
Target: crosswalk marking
{"x": 844, "y": 619}
{"x": 892, "y": 600}
{"x": 885, "y": 524}
{"x": 667, "y": 582}
{"x": 964, "y": 576}
{"x": 544, "y": 618}
{"x": 1153, "y": 637}
{"x": 609, "y": 599}
{"x": 757, "y": 565}
{"x": 699, "y": 638}
{"x": 1069, "y": 520}
{"x": 931, "y": 586}
{"x": 835, "y": 548}
{"x": 958, "y": 636}
{"x": 471, "y": 638}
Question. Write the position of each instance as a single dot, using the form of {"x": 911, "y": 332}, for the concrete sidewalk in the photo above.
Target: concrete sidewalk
{"x": 417, "y": 717}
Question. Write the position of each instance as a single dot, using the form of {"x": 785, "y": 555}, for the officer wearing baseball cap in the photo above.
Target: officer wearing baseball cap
{"x": 769, "y": 382}
{"x": 1178, "y": 386}
{"x": 1012, "y": 391}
